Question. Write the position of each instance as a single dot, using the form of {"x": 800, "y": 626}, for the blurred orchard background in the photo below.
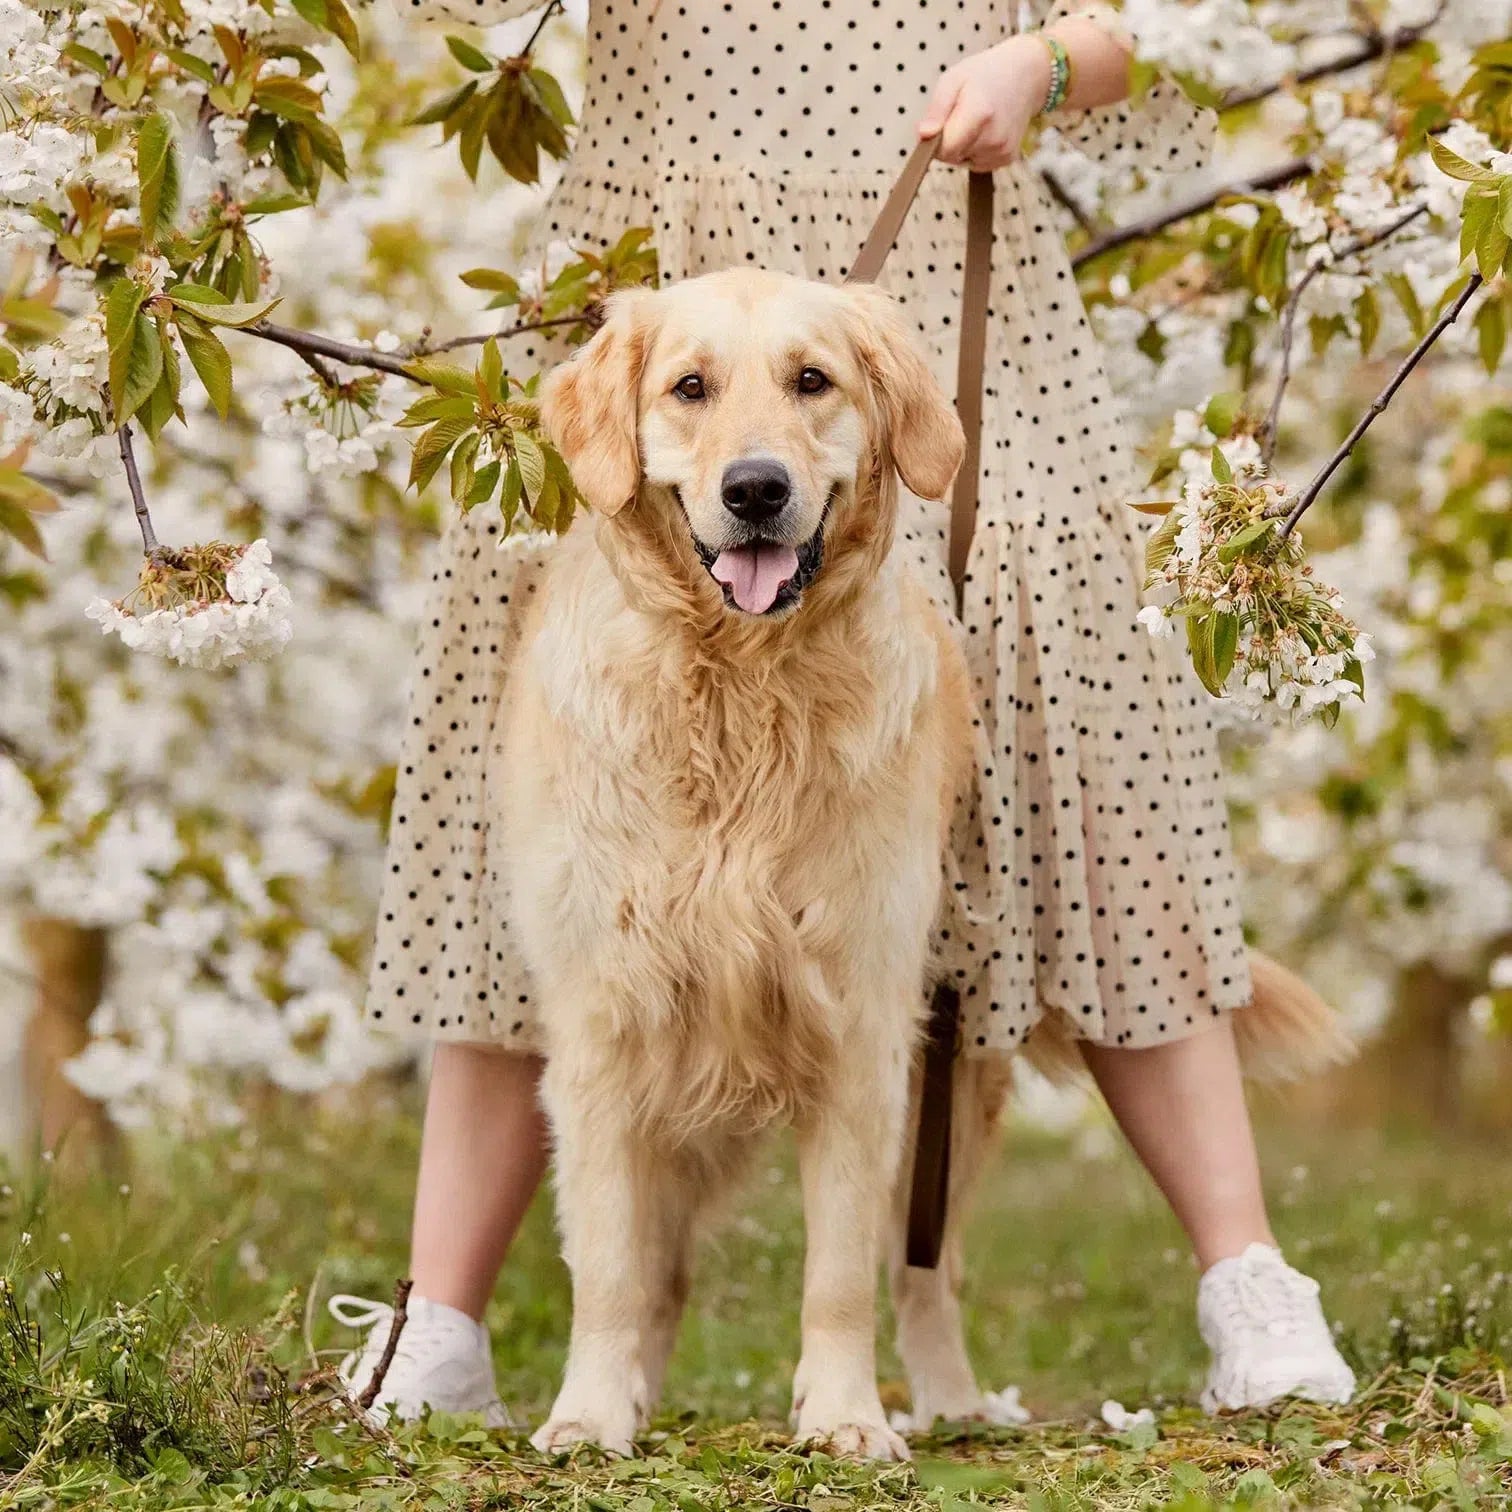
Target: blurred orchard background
{"x": 189, "y": 853}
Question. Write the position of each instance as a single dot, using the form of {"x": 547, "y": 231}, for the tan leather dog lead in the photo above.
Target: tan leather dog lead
{"x": 930, "y": 1191}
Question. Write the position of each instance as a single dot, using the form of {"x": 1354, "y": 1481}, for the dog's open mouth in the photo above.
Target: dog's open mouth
{"x": 761, "y": 576}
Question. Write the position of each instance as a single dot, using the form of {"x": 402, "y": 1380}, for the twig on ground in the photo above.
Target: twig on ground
{"x": 369, "y": 1393}
{"x": 1120, "y": 236}
{"x": 1270, "y": 430}
{"x": 138, "y": 497}
{"x": 1387, "y": 394}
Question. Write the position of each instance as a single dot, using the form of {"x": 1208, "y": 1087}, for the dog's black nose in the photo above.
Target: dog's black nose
{"x": 755, "y": 489}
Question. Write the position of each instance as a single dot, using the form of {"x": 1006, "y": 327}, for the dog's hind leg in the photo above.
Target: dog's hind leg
{"x": 676, "y": 1199}
{"x": 927, "y": 1303}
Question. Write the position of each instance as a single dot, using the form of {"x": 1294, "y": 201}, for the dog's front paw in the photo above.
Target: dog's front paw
{"x": 868, "y": 1440}
{"x": 565, "y": 1431}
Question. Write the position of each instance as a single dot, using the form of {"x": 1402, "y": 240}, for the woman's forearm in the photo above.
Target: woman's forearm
{"x": 1099, "y": 62}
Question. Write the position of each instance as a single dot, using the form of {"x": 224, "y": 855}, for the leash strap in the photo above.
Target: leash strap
{"x": 929, "y": 1195}
{"x": 976, "y": 291}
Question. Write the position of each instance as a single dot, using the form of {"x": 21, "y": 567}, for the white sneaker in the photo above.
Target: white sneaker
{"x": 442, "y": 1360}
{"x": 1269, "y": 1338}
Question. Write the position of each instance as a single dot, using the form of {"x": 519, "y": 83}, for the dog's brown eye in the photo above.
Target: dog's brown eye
{"x": 691, "y": 387}
{"x": 812, "y": 381}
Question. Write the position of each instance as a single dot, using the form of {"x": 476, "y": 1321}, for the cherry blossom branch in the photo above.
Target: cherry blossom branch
{"x": 1376, "y": 45}
{"x": 1270, "y": 430}
{"x": 138, "y": 497}
{"x": 540, "y": 26}
{"x": 1387, "y": 394}
{"x": 1063, "y": 197}
{"x": 311, "y": 346}
{"x": 1152, "y": 225}
{"x": 311, "y": 343}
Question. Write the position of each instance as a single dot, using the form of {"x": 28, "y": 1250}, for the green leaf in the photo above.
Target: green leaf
{"x": 491, "y": 371}
{"x": 121, "y": 305}
{"x": 1242, "y": 540}
{"x": 484, "y": 483}
{"x": 1491, "y": 249}
{"x": 214, "y": 308}
{"x": 16, "y": 521}
{"x": 95, "y": 62}
{"x": 1200, "y": 630}
{"x": 210, "y": 359}
{"x": 531, "y": 463}
{"x": 446, "y": 376}
{"x": 1368, "y": 317}
{"x": 1222, "y": 472}
{"x": 463, "y": 472}
{"x": 1158, "y": 548}
{"x": 157, "y": 176}
{"x": 438, "y": 407}
{"x": 1225, "y": 634}
{"x": 492, "y": 280}
{"x": 448, "y": 105}
{"x": 509, "y": 500}
{"x": 286, "y": 97}
{"x": 1491, "y": 329}
{"x": 1160, "y": 507}
{"x": 144, "y": 366}
{"x": 163, "y": 403}
{"x": 468, "y": 56}
{"x": 1456, "y": 166}
{"x": 431, "y": 449}
{"x": 552, "y": 97}
{"x": 1223, "y": 412}
{"x": 1504, "y": 205}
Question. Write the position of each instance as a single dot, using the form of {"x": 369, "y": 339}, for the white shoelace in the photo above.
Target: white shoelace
{"x": 359, "y": 1312}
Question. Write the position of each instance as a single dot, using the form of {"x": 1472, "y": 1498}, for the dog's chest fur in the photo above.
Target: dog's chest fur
{"x": 676, "y": 864}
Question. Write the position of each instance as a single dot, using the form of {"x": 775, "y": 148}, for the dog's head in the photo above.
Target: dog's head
{"x": 755, "y": 421}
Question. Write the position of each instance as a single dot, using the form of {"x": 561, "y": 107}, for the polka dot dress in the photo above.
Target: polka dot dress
{"x": 1090, "y": 879}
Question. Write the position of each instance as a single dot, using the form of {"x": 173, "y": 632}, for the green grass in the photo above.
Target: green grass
{"x": 163, "y": 1346}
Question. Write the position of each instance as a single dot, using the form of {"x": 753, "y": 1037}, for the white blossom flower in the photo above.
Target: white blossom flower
{"x": 1121, "y": 1420}
{"x": 250, "y": 623}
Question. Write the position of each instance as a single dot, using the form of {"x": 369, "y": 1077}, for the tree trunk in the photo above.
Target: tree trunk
{"x": 68, "y": 964}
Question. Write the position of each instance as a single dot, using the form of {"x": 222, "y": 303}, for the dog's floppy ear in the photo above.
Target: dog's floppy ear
{"x": 590, "y": 406}
{"x": 920, "y": 424}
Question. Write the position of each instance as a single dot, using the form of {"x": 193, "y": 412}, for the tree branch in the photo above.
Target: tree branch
{"x": 1151, "y": 225}
{"x": 1376, "y": 45}
{"x": 1062, "y": 196}
{"x": 540, "y": 26}
{"x": 1270, "y": 430}
{"x": 138, "y": 497}
{"x": 1387, "y": 394}
{"x": 311, "y": 343}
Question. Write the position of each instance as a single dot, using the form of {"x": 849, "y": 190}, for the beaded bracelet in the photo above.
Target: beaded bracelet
{"x": 1060, "y": 74}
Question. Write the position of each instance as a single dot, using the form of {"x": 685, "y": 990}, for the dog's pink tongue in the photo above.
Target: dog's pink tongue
{"x": 755, "y": 574}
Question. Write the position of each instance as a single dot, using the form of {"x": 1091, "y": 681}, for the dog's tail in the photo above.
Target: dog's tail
{"x": 1287, "y": 1031}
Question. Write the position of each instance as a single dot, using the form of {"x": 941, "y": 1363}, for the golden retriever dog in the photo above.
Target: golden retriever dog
{"x": 734, "y": 735}
{"x": 734, "y": 738}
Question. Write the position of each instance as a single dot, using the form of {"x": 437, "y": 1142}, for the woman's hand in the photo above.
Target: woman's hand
{"x": 982, "y": 107}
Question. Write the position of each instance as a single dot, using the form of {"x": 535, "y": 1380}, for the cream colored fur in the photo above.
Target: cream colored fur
{"x": 725, "y": 830}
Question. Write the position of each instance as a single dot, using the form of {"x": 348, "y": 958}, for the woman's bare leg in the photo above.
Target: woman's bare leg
{"x": 482, "y": 1155}
{"x": 1181, "y": 1106}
